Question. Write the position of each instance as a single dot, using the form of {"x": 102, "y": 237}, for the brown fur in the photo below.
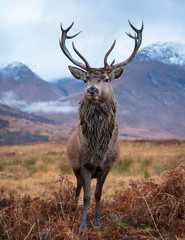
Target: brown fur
{"x": 93, "y": 146}
{"x": 98, "y": 123}
{"x": 97, "y": 133}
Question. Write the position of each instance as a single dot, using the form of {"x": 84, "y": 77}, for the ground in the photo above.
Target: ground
{"x": 36, "y": 173}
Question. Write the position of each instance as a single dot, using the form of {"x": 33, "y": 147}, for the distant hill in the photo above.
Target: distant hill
{"x": 150, "y": 95}
{"x": 69, "y": 86}
{"x": 19, "y": 127}
{"x": 19, "y": 81}
{"x": 151, "y": 100}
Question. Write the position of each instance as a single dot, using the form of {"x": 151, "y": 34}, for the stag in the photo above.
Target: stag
{"x": 93, "y": 146}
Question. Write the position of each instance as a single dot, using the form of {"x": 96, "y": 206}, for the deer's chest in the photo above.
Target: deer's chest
{"x": 101, "y": 152}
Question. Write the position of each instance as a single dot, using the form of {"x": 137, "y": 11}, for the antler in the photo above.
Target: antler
{"x": 67, "y": 53}
{"x": 138, "y": 40}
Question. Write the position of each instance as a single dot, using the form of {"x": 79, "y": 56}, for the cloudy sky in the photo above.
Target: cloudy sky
{"x": 30, "y": 30}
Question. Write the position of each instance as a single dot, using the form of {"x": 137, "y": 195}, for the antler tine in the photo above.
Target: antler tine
{"x": 138, "y": 40}
{"x": 107, "y": 54}
{"x": 80, "y": 55}
{"x": 65, "y": 31}
{"x": 112, "y": 62}
{"x": 130, "y": 35}
{"x": 138, "y": 31}
{"x": 135, "y": 29}
{"x": 65, "y": 50}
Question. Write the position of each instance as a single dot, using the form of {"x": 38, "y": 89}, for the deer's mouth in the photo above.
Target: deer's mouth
{"x": 93, "y": 97}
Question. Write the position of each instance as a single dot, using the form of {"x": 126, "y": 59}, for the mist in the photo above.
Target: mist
{"x": 50, "y": 107}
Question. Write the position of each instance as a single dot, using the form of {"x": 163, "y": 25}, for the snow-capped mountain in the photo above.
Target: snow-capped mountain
{"x": 17, "y": 70}
{"x": 23, "y": 90}
{"x": 19, "y": 82}
{"x": 165, "y": 52}
{"x": 150, "y": 95}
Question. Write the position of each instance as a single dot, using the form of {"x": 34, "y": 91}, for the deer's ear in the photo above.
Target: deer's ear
{"x": 116, "y": 73}
{"x": 77, "y": 72}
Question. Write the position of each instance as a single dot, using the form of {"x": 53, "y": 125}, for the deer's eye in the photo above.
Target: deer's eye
{"x": 106, "y": 80}
{"x": 85, "y": 80}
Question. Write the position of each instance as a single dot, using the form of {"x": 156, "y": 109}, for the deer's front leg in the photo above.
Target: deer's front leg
{"x": 100, "y": 181}
{"x": 86, "y": 178}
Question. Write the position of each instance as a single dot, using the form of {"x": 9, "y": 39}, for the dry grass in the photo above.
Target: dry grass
{"x": 143, "y": 211}
{"x": 29, "y": 168}
{"x": 31, "y": 200}
{"x": 150, "y": 158}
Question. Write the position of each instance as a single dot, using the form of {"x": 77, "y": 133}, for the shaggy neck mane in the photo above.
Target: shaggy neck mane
{"x": 98, "y": 121}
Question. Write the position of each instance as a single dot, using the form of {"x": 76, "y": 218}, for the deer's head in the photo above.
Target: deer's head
{"x": 98, "y": 80}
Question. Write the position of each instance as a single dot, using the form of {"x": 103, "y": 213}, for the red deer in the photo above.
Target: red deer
{"x": 93, "y": 145}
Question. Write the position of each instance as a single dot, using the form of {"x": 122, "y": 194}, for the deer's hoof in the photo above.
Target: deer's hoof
{"x": 97, "y": 223}
{"x": 82, "y": 229}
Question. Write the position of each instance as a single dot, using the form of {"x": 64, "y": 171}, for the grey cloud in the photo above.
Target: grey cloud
{"x": 52, "y": 107}
{"x": 30, "y": 29}
{"x": 11, "y": 99}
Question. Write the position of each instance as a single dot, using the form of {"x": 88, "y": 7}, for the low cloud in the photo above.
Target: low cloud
{"x": 52, "y": 107}
{"x": 11, "y": 99}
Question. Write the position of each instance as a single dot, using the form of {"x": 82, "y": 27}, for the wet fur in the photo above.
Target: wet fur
{"x": 98, "y": 122}
{"x": 93, "y": 146}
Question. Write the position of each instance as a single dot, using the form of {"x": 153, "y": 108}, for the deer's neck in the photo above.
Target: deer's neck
{"x": 98, "y": 122}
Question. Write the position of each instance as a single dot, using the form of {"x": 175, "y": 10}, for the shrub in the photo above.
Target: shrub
{"x": 145, "y": 210}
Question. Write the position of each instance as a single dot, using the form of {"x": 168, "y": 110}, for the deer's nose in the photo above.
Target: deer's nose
{"x": 92, "y": 91}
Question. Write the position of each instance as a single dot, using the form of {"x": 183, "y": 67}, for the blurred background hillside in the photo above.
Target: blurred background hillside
{"x": 38, "y": 97}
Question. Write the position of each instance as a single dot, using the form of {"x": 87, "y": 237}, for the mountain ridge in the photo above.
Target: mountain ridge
{"x": 165, "y": 52}
{"x": 150, "y": 96}
{"x": 19, "y": 79}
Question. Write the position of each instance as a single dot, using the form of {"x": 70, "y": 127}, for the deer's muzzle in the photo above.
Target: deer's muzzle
{"x": 92, "y": 91}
